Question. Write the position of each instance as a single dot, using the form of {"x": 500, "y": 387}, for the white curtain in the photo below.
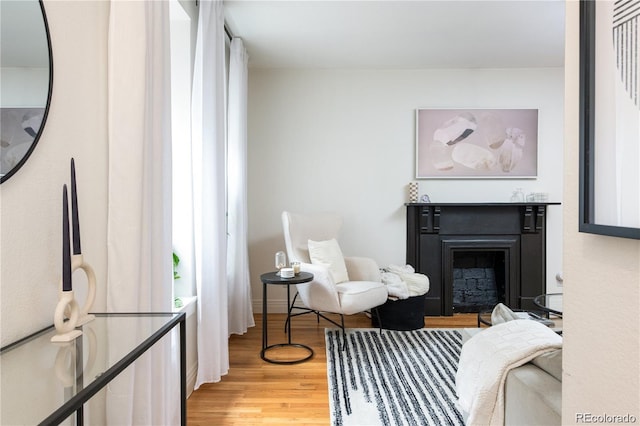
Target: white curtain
{"x": 139, "y": 269}
{"x": 240, "y": 310}
{"x": 208, "y": 145}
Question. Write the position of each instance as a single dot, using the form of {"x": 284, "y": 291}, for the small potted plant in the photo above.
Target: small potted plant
{"x": 177, "y": 302}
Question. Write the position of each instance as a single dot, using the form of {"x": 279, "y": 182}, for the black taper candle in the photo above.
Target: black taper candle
{"x": 66, "y": 252}
{"x": 74, "y": 210}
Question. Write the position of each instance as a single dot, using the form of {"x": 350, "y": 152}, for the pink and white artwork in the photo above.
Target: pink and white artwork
{"x": 476, "y": 143}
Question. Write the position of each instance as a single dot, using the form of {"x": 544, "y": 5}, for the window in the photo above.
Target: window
{"x": 181, "y": 77}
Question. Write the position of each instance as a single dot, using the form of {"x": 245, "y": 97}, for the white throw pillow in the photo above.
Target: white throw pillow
{"x": 328, "y": 253}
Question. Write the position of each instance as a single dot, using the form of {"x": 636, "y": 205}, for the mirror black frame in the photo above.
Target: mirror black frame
{"x": 48, "y": 104}
{"x": 588, "y": 200}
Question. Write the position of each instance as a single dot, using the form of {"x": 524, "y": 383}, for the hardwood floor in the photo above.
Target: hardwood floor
{"x": 258, "y": 392}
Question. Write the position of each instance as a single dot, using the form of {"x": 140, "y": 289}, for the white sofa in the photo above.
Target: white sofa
{"x": 533, "y": 392}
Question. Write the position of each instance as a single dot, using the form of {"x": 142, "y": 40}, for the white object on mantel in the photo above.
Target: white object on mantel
{"x": 413, "y": 192}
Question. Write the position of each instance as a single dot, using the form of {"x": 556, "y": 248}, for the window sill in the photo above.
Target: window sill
{"x": 188, "y": 305}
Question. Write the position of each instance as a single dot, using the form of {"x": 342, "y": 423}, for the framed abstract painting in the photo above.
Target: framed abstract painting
{"x": 476, "y": 143}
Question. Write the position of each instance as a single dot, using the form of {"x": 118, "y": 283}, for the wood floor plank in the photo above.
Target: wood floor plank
{"x": 258, "y": 392}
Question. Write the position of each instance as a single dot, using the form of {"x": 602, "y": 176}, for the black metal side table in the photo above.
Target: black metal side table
{"x": 268, "y": 279}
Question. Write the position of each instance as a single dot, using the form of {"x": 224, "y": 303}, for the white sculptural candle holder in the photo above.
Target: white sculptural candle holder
{"x": 77, "y": 262}
{"x": 66, "y": 329}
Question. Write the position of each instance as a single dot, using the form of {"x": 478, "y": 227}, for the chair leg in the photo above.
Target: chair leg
{"x": 344, "y": 333}
{"x": 374, "y": 311}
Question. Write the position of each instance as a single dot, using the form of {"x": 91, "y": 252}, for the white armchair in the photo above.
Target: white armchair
{"x": 362, "y": 291}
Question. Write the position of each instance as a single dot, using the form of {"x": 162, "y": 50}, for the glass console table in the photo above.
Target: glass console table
{"x": 548, "y": 317}
{"x": 47, "y": 383}
{"x": 551, "y": 303}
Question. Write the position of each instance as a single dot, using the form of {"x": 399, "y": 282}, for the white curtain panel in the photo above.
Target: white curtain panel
{"x": 208, "y": 145}
{"x": 139, "y": 269}
{"x": 240, "y": 310}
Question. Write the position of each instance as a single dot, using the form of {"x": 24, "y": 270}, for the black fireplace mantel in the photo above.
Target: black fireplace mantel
{"x": 435, "y": 229}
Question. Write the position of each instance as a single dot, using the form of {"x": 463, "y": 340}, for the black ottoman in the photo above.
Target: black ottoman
{"x": 403, "y": 314}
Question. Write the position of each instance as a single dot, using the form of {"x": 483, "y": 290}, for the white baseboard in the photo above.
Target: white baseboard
{"x": 191, "y": 378}
{"x": 190, "y": 306}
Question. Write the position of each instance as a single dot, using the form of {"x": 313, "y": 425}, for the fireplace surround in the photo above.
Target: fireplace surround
{"x": 516, "y": 232}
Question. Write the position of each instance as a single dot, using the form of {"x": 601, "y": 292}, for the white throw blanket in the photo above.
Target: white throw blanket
{"x": 405, "y": 282}
{"x": 395, "y": 286}
{"x": 487, "y": 358}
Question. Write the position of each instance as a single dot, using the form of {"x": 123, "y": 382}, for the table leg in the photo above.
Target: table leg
{"x": 289, "y": 313}
{"x": 79, "y": 379}
{"x": 264, "y": 318}
{"x": 183, "y": 371}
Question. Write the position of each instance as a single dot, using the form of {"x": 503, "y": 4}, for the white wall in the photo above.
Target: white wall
{"x": 344, "y": 140}
{"x": 31, "y": 200}
{"x": 601, "y": 358}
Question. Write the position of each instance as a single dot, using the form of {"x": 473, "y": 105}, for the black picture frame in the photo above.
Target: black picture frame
{"x": 588, "y": 141}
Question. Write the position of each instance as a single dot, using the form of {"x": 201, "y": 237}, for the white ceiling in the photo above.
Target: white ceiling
{"x": 399, "y": 34}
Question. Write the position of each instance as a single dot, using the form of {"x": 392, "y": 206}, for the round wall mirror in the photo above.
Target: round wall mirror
{"x": 26, "y": 80}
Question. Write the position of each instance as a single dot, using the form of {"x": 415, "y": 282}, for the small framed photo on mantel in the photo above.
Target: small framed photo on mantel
{"x": 476, "y": 143}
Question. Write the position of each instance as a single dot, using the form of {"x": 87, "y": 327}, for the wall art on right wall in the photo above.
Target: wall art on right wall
{"x": 610, "y": 118}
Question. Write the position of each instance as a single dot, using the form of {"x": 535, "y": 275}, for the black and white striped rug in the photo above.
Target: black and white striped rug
{"x": 393, "y": 377}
